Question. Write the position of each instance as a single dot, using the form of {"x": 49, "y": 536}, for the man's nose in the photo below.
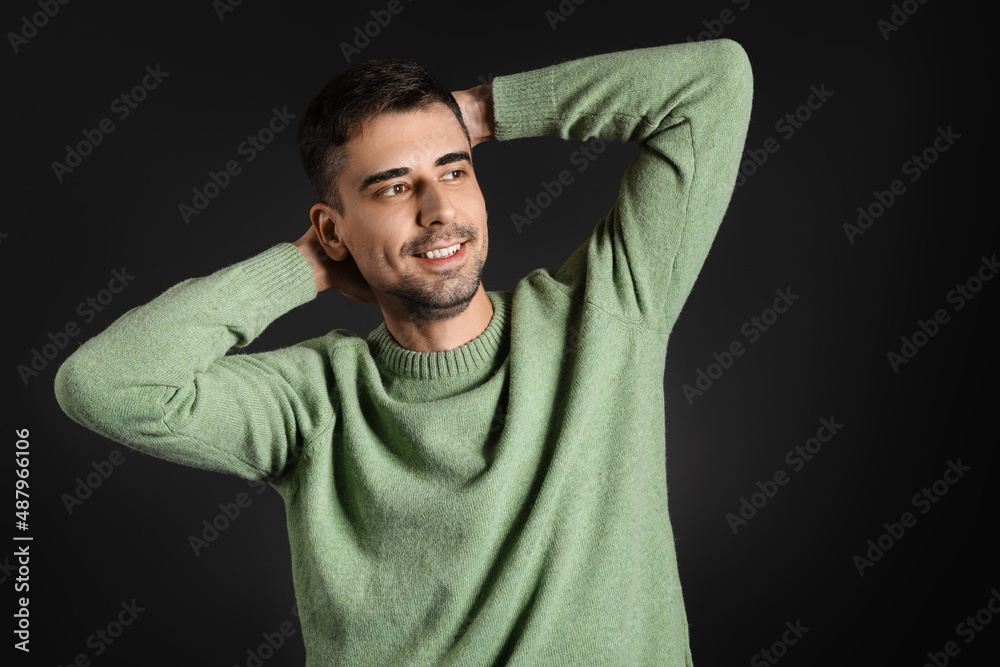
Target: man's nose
{"x": 436, "y": 206}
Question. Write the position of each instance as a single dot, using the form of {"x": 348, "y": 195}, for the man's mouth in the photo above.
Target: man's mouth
{"x": 447, "y": 254}
{"x": 441, "y": 253}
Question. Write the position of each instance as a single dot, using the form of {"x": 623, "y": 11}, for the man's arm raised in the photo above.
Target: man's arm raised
{"x": 159, "y": 380}
{"x": 687, "y": 107}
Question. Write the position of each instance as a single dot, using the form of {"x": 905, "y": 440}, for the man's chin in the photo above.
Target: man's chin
{"x": 435, "y": 313}
{"x": 433, "y": 305}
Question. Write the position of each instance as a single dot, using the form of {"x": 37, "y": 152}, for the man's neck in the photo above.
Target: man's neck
{"x": 439, "y": 335}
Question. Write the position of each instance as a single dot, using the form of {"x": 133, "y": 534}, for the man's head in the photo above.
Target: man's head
{"x": 388, "y": 152}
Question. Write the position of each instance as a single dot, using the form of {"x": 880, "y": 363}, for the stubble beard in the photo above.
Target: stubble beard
{"x": 449, "y": 294}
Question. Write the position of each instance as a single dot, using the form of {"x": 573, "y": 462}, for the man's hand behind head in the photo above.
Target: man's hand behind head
{"x": 477, "y": 110}
{"x": 342, "y": 275}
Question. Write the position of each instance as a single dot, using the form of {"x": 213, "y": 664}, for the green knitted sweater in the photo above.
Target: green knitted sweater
{"x": 502, "y": 503}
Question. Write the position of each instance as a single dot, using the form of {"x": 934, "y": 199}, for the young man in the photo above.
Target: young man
{"x": 482, "y": 479}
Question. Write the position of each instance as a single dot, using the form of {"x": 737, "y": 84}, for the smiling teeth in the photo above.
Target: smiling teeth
{"x": 443, "y": 252}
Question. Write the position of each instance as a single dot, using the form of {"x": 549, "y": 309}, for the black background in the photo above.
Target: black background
{"x": 825, "y": 358}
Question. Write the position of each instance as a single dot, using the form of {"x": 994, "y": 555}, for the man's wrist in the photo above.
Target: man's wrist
{"x": 476, "y": 105}
{"x": 484, "y": 98}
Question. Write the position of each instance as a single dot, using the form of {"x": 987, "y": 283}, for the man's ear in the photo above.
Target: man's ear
{"x": 327, "y": 224}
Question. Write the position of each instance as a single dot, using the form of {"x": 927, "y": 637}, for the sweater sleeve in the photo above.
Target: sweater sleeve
{"x": 158, "y": 379}
{"x": 687, "y": 106}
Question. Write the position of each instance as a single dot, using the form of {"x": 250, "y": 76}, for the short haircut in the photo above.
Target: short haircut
{"x": 354, "y": 98}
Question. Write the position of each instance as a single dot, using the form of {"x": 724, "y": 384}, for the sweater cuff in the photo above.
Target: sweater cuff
{"x": 281, "y": 279}
{"x": 523, "y": 104}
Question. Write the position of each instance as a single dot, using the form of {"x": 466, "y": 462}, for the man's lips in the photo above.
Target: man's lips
{"x": 441, "y": 247}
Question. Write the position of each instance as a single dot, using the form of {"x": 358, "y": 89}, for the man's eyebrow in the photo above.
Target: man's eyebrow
{"x": 389, "y": 174}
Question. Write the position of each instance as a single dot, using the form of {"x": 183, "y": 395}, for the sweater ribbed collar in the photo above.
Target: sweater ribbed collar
{"x": 474, "y": 355}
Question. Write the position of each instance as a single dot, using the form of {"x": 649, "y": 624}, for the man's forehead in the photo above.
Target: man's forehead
{"x": 406, "y": 139}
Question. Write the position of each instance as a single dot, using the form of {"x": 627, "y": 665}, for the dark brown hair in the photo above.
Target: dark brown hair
{"x": 352, "y": 99}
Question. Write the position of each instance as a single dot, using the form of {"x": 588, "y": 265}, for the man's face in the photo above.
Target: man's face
{"x": 409, "y": 188}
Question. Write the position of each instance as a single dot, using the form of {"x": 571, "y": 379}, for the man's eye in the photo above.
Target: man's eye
{"x": 393, "y": 190}
{"x": 455, "y": 171}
